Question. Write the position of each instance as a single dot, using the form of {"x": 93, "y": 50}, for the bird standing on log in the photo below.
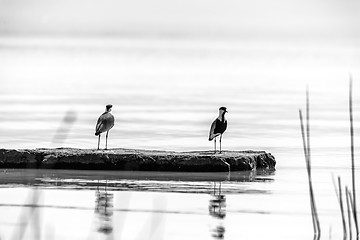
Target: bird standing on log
{"x": 218, "y": 127}
{"x": 104, "y": 124}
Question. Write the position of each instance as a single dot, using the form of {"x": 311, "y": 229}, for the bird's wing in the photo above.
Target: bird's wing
{"x": 99, "y": 123}
{"x": 105, "y": 122}
{"x": 112, "y": 119}
{"x": 108, "y": 120}
{"x": 212, "y": 128}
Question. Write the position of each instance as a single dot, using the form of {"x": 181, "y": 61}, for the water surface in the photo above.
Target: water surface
{"x": 166, "y": 93}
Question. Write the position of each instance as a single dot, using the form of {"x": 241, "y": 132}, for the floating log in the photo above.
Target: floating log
{"x": 136, "y": 160}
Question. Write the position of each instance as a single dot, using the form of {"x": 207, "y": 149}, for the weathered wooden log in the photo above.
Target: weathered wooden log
{"x": 136, "y": 160}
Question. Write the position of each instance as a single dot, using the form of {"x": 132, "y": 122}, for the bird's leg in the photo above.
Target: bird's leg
{"x": 107, "y": 133}
{"x": 215, "y": 144}
{"x": 98, "y": 142}
{"x": 220, "y": 142}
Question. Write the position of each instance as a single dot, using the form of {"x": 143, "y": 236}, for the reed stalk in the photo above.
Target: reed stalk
{"x": 353, "y": 159}
{"x": 28, "y": 214}
{"x": 306, "y": 146}
{"x": 349, "y": 209}
{"x": 307, "y": 168}
{"x": 308, "y": 128}
{"x": 339, "y": 195}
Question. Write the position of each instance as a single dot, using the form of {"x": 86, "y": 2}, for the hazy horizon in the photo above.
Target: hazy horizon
{"x": 322, "y": 21}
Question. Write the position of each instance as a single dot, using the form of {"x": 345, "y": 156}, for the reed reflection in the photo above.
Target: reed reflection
{"x": 217, "y": 209}
{"x": 104, "y": 210}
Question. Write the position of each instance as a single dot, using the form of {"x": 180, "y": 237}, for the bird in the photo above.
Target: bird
{"x": 218, "y": 126}
{"x": 104, "y": 124}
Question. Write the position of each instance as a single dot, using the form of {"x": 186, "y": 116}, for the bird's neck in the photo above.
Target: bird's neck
{"x": 221, "y": 117}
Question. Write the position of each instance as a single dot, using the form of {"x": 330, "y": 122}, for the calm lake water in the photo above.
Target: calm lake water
{"x": 165, "y": 94}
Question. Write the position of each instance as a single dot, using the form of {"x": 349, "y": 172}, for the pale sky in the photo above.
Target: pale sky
{"x": 233, "y": 18}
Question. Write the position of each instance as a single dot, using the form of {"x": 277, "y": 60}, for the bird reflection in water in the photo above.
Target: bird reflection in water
{"x": 217, "y": 209}
{"x": 104, "y": 210}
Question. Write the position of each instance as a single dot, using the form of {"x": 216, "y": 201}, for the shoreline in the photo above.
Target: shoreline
{"x": 135, "y": 160}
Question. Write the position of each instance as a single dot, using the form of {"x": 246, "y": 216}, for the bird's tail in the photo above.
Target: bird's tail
{"x": 212, "y": 136}
{"x": 97, "y": 133}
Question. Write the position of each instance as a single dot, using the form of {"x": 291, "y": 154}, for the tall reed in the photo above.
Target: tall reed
{"x": 349, "y": 209}
{"x": 339, "y": 195}
{"x": 306, "y": 145}
{"x": 353, "y": 159}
